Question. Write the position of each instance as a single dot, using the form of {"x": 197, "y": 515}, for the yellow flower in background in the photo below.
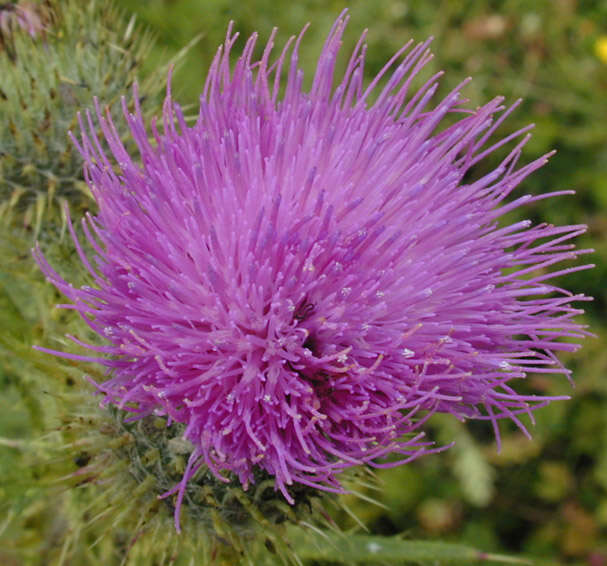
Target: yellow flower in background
{"x": 600, "y": 48}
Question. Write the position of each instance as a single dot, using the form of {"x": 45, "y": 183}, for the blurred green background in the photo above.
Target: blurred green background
{"x": 546, "y": 497}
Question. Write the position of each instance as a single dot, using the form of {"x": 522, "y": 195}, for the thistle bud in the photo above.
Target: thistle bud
{"x": 54, "y": 57}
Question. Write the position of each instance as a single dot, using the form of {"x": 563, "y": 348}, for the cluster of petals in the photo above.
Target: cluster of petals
{"x": 304, "y": 275}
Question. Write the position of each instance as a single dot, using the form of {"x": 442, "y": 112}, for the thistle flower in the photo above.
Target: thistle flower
{"x": 302, "y": 279}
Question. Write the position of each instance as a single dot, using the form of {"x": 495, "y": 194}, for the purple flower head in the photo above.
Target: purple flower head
{"x": 301, "y": 279}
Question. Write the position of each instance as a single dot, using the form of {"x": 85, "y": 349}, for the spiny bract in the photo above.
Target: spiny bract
{"x": 303, "y": 278}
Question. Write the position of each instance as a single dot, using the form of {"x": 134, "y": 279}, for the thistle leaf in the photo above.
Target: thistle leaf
{"x": 359, "y": 549}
